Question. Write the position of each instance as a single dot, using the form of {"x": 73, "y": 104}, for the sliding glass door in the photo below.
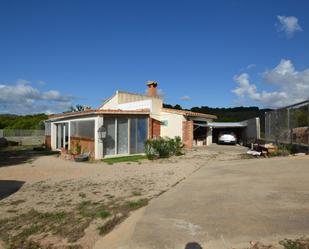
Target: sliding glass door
{"x": 62, "y": 138}
{"x": 122, "y": 136}
{"x": 109, "y": 141}
{"x": 138, "y": 134}
{"x": 125, "y": 135}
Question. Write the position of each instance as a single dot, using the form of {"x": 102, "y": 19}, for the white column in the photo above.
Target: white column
{"x": 98, "y": 143}
{"x": 209, "y": 136}
{"x": 63, "y": 135}
{"x": 69, "y": 135}
{"x": 53, "y": 134}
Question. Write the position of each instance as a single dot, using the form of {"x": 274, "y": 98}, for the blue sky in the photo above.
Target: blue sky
{"x": 215, "y": 53}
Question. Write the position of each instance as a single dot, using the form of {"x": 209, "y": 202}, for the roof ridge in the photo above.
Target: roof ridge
{"x": 186, "y": 112}
{"x": 139, "y": 94}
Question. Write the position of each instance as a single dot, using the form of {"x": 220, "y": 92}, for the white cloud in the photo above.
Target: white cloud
{"x": 41, "y": 82}
{"x": 288, "y": 24}
{"x": 292, "y": 86}
{"x": 185, "y": 98}
{"x": 22, "y": 98}
{"x": 250, "y": 66}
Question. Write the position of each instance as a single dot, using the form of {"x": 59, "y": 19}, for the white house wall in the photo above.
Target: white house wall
{"x": 111, "y": 104}
{"x": 127, "y": 101}
{"x": 137, "y": 105}
{"x": 171, "y": 124}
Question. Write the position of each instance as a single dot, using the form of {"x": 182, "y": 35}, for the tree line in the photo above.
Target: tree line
{"x": 35, "y": 122}
{"x": 231, "y": 114}
{"x": 234, "y": 114}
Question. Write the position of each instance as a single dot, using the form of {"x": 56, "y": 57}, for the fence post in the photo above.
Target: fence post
{"x": 308, "y": 127}
{"x": 290, "y": 126}
{"x": 276, "y": 127}
{"x": 265, "y": 126}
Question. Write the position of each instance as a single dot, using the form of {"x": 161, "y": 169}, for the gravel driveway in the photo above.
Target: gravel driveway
{"x": 227, "y": 204}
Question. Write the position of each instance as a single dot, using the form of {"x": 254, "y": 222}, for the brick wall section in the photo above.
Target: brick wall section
{"x": 87, "y": 145}
{"x": 154, "y": 128}
{"x": 187, "y": 133}
{"x": 48, "y": 142}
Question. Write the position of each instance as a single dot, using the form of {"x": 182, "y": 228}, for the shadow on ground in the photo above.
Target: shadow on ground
{"x": 14, "y": 157}
{"x": 193, "y": 245}
{"x": 8, "y": 187}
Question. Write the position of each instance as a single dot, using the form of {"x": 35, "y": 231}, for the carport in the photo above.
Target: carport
{"x": 236, "y": 127}
{"x": 201, "y": 132}
{"x": 246, "y": 131}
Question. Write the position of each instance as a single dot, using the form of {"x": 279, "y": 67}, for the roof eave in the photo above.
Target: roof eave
{"x": 97, "y": 112}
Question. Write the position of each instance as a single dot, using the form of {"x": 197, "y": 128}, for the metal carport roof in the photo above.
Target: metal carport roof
{"x": 227, "y": 124}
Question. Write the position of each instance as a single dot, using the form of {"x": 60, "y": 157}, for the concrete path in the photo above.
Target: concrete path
{"x": 228, "y": 204}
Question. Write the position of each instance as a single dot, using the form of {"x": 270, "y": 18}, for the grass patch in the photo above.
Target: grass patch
{"x": 103, "y": 214}
{"x": 132, "y": 205}
{"x": 134, "y": 158}
{"x": 17, "y": 231}
{"x": 109, "y": 225}
{"x": 136, "y": 193}
{"x": 301, "y": 243}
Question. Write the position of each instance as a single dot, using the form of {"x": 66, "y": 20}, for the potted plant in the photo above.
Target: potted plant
{"x": 84, "y": 156}
{"x": 75, "y": 150}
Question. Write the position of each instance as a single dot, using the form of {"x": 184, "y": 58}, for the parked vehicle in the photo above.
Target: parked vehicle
{"x": 227, "y": 137}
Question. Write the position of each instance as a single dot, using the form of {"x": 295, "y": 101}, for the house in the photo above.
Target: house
{"x": 123, "y": 123}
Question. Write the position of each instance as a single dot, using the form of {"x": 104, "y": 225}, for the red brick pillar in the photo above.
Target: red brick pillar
{"x": 187, "y": 133}
{"x": 150, "y": 132}
{"x": 48, "y": 142}
{"x": 154, "y": 128}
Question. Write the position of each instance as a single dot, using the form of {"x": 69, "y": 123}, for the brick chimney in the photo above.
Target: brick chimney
{"x": 152, "y": 88}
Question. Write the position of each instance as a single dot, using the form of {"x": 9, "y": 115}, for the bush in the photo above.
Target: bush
{"x": 163, "y": 148}
{"x": 283, "y": 150}
{"x": 176, "y": 146}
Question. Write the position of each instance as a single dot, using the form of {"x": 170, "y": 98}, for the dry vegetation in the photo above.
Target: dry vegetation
{"x": 300, "y": 243}
{"x": 64, "y": 204}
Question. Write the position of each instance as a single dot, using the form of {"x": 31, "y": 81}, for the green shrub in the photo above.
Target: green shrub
{"x": 294, "y": 244}
{"x": 176, "y": 146}
{"x": 163, "y": 147}
{"x": 150, "y": 152}
{"x": 283, "y": 150}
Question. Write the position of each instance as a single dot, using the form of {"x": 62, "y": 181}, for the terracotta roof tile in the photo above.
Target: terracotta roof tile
{"x": 189, "y": 113}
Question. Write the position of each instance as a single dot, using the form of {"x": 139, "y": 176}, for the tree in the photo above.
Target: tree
{"x": 35, "y": 121}
{"x": 78, "y": 108}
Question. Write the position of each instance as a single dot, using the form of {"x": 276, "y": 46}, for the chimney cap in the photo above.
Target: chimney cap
{"x": 152, "y": 82}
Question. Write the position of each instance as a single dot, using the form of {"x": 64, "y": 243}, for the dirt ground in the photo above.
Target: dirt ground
{"x": 54, "y": 195}
{"x": 226, "y": 204}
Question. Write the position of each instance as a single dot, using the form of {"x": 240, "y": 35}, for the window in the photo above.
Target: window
{"x": 109, "y": 141}
{"x": 118, "y": 134}
{"x": 82, "y": 129}
{"x": 138, "y": 134}
{"x": 47, "y": 128}
{"x": 62, "y": 138}
{"x": 122, "y": 135}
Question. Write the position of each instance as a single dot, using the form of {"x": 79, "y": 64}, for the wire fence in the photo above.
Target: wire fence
{"x": 288, "y": 125}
